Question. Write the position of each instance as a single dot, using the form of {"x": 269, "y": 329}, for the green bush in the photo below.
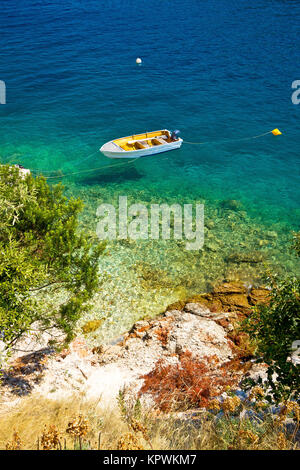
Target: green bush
{"x": 274, "y": 328}
{"x": 48, "y": 267}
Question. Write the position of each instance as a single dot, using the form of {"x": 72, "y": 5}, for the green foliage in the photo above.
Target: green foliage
{"x": 296, "y": 243}
{"x": 48, "y": 267}
{"x": 275, "y": 327}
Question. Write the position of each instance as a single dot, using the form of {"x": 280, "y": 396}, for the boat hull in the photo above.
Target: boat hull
{"x": 109, "y": 152}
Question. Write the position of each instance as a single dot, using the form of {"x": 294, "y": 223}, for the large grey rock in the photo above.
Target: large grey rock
{"x": 197, "y": 309}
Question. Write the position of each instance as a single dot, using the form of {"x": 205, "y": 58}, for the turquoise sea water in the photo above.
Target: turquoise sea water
{"x": 217, "y": 70}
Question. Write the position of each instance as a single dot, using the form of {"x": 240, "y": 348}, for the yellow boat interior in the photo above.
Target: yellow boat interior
{"x": 144, "y": 141}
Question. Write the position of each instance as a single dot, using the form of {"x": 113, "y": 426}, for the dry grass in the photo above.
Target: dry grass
{"x": 128, "y": 427}
{"x": 33, "y": 414}
{"x": 230, "y": 432}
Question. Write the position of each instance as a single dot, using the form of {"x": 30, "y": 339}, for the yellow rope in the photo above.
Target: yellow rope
{"x": 133, "y": 160}
{"x": 38, "y": 170}
{"x": 227, "y": 140}
{"x": 91, "y": 169}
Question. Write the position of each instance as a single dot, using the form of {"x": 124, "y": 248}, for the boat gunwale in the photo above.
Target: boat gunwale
{"x": 135, "y": 150}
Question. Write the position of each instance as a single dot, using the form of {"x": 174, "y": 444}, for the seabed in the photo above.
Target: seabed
{"x": 140, "y": 278}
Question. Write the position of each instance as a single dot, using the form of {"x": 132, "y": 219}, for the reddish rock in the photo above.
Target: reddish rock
{"x": 235, "y": 300}
{"x": 208, "y": 300}
{"x": 232, "y": 296}
{"x": 223, "y": 322}
{"x": 259, "y": 296}
{"x": 234, "y": 287}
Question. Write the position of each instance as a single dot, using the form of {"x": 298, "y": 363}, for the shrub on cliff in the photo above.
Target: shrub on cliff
{"x": 43, "y": 256}
{"x": 275, "y": 329}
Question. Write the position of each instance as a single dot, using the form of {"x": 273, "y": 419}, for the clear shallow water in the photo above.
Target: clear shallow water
{"x": 216, "y": 70}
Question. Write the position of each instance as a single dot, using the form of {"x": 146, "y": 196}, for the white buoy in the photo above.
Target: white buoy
{"x": 139, "y": 60}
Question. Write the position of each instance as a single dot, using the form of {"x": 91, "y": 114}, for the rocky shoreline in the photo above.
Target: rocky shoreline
{"x": 202, "y": 326}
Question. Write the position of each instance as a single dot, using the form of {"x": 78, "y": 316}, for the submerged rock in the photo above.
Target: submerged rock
{"x": 234, "y": 287}
{"x": 212, "y": 246}
{"x": 209, "y": 224}
{"x": 91, "y": 326}
{"x": 271, "y": 234}
{"x": 232, "y": 204}
{"x": 251, "y": 257}
{"x": 231, "y": 296}
{"x": 226, "y": 297}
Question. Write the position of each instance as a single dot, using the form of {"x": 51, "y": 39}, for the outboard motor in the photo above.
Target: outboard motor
{"x": 175, "y": 134}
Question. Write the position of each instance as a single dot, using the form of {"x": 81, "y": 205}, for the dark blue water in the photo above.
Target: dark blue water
{"x": 215, "y": 69}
